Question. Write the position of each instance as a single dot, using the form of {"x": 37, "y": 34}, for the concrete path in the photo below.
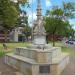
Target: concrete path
{"x": 6, "y": 70}
{"x": 70, "y": 69}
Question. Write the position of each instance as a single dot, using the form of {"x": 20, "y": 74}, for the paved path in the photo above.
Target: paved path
{"x": 70, "y": 70}
{"x": 6, "y": 70}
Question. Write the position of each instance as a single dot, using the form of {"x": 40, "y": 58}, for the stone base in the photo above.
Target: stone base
{"x": 37, "y": 61}
{"x": 30, "y": 67}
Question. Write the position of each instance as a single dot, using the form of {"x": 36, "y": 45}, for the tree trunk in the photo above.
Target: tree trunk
{"x": 54, "y": 36}
{"x": 53, "y": 40}
{"x": 6, "y": 36}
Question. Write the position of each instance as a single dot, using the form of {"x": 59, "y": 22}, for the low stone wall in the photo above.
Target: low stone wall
{"x": 28, "y": 67}
{"x": 37, "y": 55}
{"x": 26, "y": 53}
{"x": 63, "y": 63}
{"x": 56, "y": 52}
{"x": 22, "y": 66}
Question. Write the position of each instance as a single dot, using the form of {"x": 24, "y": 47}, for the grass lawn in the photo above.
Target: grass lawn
{"x": 12, "y": 46}
{"x": 66, "y": 49}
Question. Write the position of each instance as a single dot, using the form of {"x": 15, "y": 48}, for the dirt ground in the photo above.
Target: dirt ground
{"x": 6, "y": 70}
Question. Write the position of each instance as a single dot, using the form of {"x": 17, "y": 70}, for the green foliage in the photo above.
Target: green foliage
{"x": 23, "y": 20}
{"x": 2, "y": 53}
{"x": 53, "y": 25}
{"x": 27, "y": 31}
{"x": 22, "y": 1}
{"x": 57, "y": 21}
{"x": 57, "y": 12}
{"x": 69, "y": 9}
{"x": 69, "y": 50}
{"x": 56, "y": 26}
{"x": 8, "y": 14}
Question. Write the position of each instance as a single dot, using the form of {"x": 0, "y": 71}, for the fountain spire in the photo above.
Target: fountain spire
{"x": 39, "y": 15}
{"x": 39, "y": 33}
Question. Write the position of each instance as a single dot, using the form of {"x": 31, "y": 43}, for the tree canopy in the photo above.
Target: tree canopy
{"x": 8, "y": 14}
{"x": 57, "y": 20}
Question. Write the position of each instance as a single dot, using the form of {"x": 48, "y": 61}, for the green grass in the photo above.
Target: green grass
{"x": 66, "y": 49}
{"x": 2, "y": 53}
{"x": 12, "y": 47}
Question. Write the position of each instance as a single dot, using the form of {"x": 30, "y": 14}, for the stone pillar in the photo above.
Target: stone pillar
{"x": 16, "y": 35}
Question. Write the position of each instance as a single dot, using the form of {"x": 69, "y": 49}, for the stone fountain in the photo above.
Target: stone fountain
{"x": 40, "y": 58}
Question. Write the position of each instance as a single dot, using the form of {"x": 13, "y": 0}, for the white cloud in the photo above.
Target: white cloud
{"x": 73, "y": 27}
{"x": 31, "y": 1}
{"x": 31, "y": 17}
{"x": 15, "y": 1}
{"x": 48, "y": 3}
{"x": 72, "y": 22}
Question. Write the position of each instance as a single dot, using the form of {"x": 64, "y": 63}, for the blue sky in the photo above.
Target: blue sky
{"x": 46, "y": 4}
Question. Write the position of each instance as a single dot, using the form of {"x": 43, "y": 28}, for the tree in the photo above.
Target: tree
{"x": 24, "y": 22}
{"x": 57, "y": 21}
{"x": 55, "y": 26}
{"x": 20, "y": 2}
{"x": 8, "y": 19}
{"x": 27, "y": 31}
{"x": 8, "y": 15}
{"x": 69, "y": 9}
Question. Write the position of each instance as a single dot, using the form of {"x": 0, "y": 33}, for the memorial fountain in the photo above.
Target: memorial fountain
{"x": 39, "y": 58}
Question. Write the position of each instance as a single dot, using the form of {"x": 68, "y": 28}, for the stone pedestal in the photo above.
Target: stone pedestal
{"x": 33, "y": 61}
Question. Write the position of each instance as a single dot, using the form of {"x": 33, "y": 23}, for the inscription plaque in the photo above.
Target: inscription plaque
{"x": 44, "y": 68}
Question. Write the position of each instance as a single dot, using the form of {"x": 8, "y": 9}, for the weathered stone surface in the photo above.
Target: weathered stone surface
{"x": 29, "y": 67}
{"x": 18, "y": 73}
{"x": 41, "y": 40}
{"x": 39, "y": 31}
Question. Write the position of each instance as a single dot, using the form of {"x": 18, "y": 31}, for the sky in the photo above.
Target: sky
{"x": 46, "y": 4}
